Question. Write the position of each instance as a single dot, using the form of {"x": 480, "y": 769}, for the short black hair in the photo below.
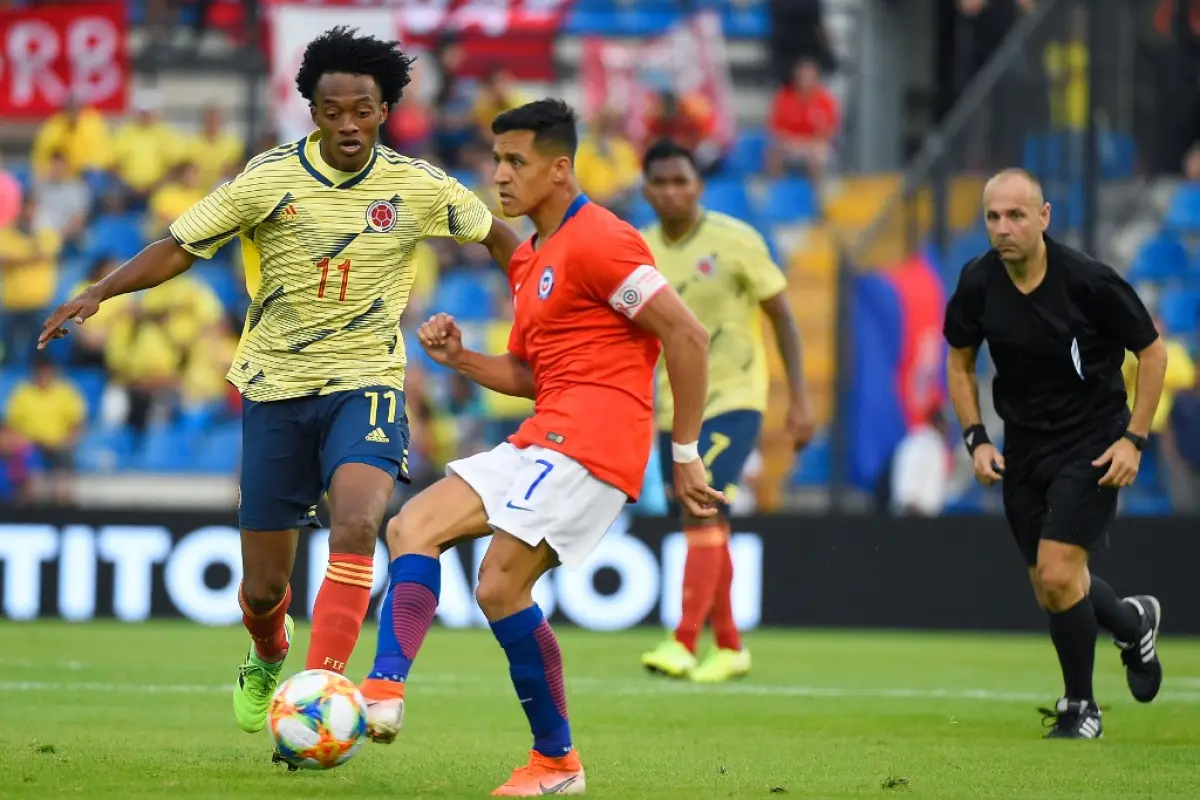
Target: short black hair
{"x": 665, "y": 150}
{"x": 341, "y": 49}
{"x": 551, "y": 120}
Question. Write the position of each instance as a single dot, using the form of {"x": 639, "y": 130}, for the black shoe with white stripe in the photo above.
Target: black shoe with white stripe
{"x": 1143, "y": 671}
{"x": 1073, "y": 719}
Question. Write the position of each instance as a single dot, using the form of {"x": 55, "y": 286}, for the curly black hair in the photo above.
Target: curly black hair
{"x": 341, "y": 49}
{"x": 551, "y": 120}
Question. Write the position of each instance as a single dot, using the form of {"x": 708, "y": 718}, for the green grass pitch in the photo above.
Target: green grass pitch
{"x": 106, "y": 710}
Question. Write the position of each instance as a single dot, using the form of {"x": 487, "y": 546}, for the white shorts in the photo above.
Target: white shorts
{"x": 537, "y": 494}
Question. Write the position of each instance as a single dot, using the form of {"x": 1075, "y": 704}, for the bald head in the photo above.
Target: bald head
{"x": 1016, "y": 214}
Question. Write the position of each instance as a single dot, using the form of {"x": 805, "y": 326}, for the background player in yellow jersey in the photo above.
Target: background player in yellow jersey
{"x": 328, "y": 226}
{"x": 724, "y": 272}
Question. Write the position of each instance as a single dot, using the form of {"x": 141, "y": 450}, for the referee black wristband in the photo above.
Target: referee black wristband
{"x": 975, "y": 436}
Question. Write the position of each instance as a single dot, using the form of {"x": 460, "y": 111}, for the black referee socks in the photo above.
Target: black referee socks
{"x": 1114, "y": 615}
{"x": 1074, "y": 633}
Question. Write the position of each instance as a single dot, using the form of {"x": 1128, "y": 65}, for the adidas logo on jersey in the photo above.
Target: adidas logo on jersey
{"x": 379, "y": 436}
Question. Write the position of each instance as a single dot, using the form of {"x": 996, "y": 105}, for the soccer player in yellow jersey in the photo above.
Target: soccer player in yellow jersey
{"x": 328, "y": 226}
{"x": 724, "y": 272}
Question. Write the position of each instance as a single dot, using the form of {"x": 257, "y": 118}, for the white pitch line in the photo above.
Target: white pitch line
{"x": 597, "y": 686}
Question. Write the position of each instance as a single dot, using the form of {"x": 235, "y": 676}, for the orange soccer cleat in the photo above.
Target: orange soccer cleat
{"x": 385, "y": 708}
{"x": 545, "y": 775}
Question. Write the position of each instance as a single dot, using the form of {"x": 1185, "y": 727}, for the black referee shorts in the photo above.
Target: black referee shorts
{"x": 1052, "y": 491}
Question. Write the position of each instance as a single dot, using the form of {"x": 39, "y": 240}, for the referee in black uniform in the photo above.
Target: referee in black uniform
{"x": 1057, "y": 324}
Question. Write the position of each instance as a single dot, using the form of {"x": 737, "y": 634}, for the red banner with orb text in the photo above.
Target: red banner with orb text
{"x": 52, "y": 53}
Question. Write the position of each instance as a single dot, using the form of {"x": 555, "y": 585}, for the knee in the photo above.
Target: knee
{"x": 1061, "y": 584}
{"x": 500, "y": 594}
{"x": 414, "y": 530}
{"x": 355, "y": 533}
{"x": 263, "y": 588}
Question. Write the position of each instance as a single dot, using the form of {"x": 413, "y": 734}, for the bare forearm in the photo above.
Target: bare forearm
{"x": 787, "y": 337}
{"x": 157, "y": 263}
{"x": 964, "y": 395}
{"x": 1151, "y": 373}
{"x": 686, "y": 354}
{"x": 505, "y": 374}
{"x": 501, "y": 242}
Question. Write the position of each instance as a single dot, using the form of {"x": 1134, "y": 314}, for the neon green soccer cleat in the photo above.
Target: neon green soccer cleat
{"x": 257, "y": 681}
{"x": 671, "y": 659}
{"x": 722, "y": 665}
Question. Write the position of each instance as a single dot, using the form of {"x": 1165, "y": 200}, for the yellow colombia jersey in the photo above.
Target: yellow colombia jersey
{"x": 722, "y": 270}
{"x": 329, "y": 262}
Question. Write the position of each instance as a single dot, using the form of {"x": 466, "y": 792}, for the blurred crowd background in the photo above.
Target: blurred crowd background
{"x": 854, "y": 134}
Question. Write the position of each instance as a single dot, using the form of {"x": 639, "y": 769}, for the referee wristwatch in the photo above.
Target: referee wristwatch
{"x": 1139, "y": 442}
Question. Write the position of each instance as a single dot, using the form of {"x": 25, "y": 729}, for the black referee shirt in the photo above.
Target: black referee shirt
{"x": 1058, "y": 351}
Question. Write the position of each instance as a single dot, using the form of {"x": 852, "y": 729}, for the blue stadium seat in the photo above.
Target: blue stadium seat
{"x": 163, "y": 449}
{"x": 1179, "y": 310}
{"x": 641, "y": 214}
{"x": 728, "y": 196}
{"x": 466, "y": 295}
{"x": 116, "y": 236}
{"x": 1184, "y": 212}
{"x": 219, "y": 278}
{"x": 91, "y": 383}
{"x": 638, "y": 21}
{"x": 1044, "y": 155}
{"x": 813, "y": 464}
{"x": 749, "y": 153}
{"x": 1118, "y": 156}
{"x": 1161, "y": 258}
{"x": 221, "y": 450}
{"x": 738, "y": 22}
{"x": 1137, "y": 502}
{"x": 104, "y": 450}
{"x": 789, "y": 200}
{"x": 9, "y": 378}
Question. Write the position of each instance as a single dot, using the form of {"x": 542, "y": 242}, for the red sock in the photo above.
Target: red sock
{"x": 339, "y": 611}
{"x": 270, "y": 639}
{"x": 724, "y": 628}
{"x": 701, "y": 571}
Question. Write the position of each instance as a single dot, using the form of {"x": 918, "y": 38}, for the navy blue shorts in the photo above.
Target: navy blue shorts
{"x": 291, "y": 448}
{"x": 726, "y": 442}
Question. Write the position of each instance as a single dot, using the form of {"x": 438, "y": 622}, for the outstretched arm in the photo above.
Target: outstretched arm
{"x": 157, "y": 263}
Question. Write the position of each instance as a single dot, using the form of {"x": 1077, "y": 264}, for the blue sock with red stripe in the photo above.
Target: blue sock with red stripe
{"x": 535, "y": 665}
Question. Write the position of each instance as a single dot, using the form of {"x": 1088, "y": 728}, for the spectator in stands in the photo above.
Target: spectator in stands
{"x": 689, "y": 120}
{"x": 411, "y": 127}
{"x": 206, "y": 360}
{"x": 92, "y": 339}
{"x": 497, "y": 93}
{"x": 62, "y": 203}
{"x": 454, "y": 103}
{"x": 180, "y": 191}
{"x": 921, "y": 467}
{"x": 1191, "y": 163}
{"x": 1066, "y": 63}
{"x": 17, "y": 463}
{"x": 803, "y": 123}
{"x": 798, "y": 31}
{"x": 145, "y": 148}
{"x": 607, "y": 163}
{"x": 217, "y": 152}
{"x": 1180, "y": 377}
{"x": 116, "y": 231}
{"x": 29, "y": 273}
{"x": 81, "y": 133}
{"x": 49, "y": 411}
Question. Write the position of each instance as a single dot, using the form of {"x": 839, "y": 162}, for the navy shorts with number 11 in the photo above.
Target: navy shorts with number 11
{"x": 291, "y": 448}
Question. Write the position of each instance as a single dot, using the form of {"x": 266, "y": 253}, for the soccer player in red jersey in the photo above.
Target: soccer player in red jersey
{"x": 591, "y": 316}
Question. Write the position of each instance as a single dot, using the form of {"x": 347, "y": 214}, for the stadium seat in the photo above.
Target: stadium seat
{"x": 813, "y": 464}
{"x": 1161, "y": 258}
{"x": 749, "y": 153}
{"x": 9, "y": 378}
{"x": 1179, "y": 310}
{"x": 91, "y": 383}
{"x": 163, "y": 449}
{"x": 745, "y": 22}
{"x": 219, "y": 278}
{"x": 116, "y": 236}
{"x": 1043, "y": 155}
{"x": 102, "y": 450}
{"x": 1118, "y": 156}
{"x": 467, "y": 295}
{"x": 1183, "y": 214}
{"x": 728, "y": 196}
{"x": 221, "y": 450}
{"x": 641, "y": 215}
{"x": 638, "y": 21}
{"x": 788, "y": 200}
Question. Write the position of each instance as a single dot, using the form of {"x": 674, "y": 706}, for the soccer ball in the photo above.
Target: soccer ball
{"x": 318, "y": 719}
